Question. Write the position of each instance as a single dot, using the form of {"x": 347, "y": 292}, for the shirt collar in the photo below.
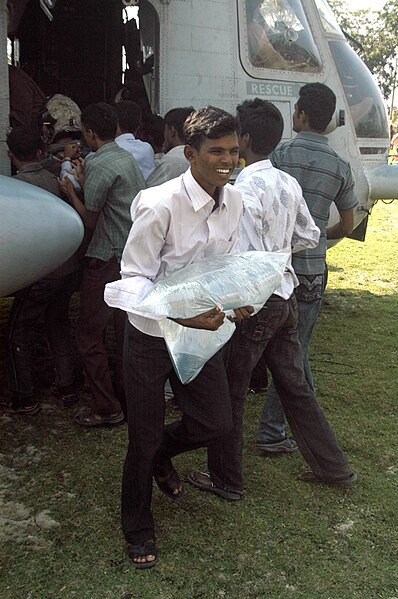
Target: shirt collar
{"x": 256, "y": 166}
{"x": 111, "y": 145}
{"x": 177, "y": 150}
{"x": 31, "y": 167}
{"x": 198, "y": 196}
{"x": 126, "y": 136}
{"x": 319, "y": 137}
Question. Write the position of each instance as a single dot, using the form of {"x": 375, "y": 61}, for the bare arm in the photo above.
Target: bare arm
{"x": 344, "y": 227}
{"x": 210, "y": 320}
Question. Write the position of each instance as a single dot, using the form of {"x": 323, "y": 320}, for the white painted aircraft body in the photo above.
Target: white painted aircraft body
{"x": 200, "y": 52}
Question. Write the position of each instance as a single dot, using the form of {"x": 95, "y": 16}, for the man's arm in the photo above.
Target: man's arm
{"x": 88, "y": 217}
{"x": 305, "y": 233}
{"x": 344, "y": 227}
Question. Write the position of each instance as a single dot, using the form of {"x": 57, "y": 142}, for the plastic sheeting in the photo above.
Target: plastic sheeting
{"x": 229, "y": 281}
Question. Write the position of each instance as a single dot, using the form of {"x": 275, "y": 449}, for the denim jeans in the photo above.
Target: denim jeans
{"x": 206, "y": 409}
{"x": 309, "y": 299}
{"x": 274, "y": 331}
{"x": 48, "y": 298}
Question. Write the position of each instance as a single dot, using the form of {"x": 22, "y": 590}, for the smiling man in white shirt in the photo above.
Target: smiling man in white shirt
{"x": 175, "y": 224}
{"x": 275, "y": 218}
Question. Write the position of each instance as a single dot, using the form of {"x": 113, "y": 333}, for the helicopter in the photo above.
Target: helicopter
{"x": 170, "y": 53}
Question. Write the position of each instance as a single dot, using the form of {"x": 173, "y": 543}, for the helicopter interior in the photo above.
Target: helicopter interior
{"x": 99, "y": 50}
{"x": 279, "y": 36}
{"x": 89, "y": 51}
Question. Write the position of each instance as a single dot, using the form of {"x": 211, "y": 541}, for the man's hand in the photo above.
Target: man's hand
{"x": 211, "y": 320}
{"x": 78, "y": 171}
{"x": 66, "y": 186}
{"x": 241, "y": 314}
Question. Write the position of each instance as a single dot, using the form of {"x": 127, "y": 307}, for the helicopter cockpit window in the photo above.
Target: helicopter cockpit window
{"x": 328, "y": 19}
{"x": 364, "y": 99}
{"x": 279, "y": 37}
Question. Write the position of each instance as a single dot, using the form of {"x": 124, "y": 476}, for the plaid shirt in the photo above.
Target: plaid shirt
{"x": 112, "y": 180}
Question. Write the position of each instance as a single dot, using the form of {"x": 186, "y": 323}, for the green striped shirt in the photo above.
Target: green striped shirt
{"x": 324, "y": 177}
{"x": 112, "y": 180}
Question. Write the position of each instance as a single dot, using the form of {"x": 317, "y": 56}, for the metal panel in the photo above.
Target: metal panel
{"x": 4, "y": 90}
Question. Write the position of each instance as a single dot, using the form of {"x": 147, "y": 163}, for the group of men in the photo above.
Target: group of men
{"x": 194, "y": 213}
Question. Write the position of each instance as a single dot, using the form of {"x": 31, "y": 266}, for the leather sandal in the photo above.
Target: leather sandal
{"x": 89, "y": 420}
{"x": 202, "y": 481}
{"x": 141, "y": 550}
{"x": 168, "y": 481}
{"x": 311, "y": 477}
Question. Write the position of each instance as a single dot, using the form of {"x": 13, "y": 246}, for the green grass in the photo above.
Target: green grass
{"x": 59, "y": 485}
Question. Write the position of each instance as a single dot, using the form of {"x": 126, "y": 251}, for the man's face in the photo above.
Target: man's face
{"x": 214, "y": 162}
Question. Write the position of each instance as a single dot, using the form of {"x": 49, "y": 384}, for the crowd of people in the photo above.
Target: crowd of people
{"x": 146, "y": 216}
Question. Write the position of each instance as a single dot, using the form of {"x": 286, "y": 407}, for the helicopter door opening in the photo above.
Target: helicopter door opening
{"x": 140, "y": 52}
{"x": 276, "y": 35}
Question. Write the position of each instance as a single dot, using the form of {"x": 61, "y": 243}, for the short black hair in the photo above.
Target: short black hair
{"x": 263, "y": 121}
{"x": 24, "y": 144}
{"x": 100, "y": 118}
{"x": 153, "y": 129}
{"x": 211, "y": 123}
{"x": 129, "y": 115}
{"x": 318, "y": 102}
{"x": 176, "y": 118}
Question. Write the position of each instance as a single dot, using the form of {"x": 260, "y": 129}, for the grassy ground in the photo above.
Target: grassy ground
{"x": 59, "y": 486}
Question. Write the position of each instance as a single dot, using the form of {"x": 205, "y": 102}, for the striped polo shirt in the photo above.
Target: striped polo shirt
{"x": 324, "y": 177}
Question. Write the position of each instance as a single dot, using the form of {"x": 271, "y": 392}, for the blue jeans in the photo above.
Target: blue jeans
{"x": 309, "y": 300}
{"x": 274, "y": 331}
{"x": 48, "y": 299}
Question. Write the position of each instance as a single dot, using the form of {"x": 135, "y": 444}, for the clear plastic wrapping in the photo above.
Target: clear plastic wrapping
{"x": 228, "y": 281}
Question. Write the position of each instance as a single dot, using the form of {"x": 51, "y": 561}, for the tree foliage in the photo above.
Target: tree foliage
{"x": 374, "y": 36}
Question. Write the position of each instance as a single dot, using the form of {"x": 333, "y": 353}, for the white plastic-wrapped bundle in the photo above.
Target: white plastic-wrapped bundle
{"x": 229, "y": 282}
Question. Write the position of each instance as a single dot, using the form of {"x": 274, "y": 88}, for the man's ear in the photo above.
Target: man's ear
{"x": 304, "y": 118}
{"x": 245, "y": 140}
{"x": 172, "y": 131}
{"x": 190, "y": 153}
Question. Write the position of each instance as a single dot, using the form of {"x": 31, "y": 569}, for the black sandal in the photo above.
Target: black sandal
{"x": 168, "y": 481}
{"x": 143, "y": 550}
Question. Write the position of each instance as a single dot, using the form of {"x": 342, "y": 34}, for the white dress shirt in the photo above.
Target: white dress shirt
{"x": 171, "y": 165}
{"x": 173, "y": 225}
{"x": 141, "y": 150}
{"x": 275, "y": 216}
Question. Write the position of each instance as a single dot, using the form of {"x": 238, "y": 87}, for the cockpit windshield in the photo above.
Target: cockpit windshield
{"x": 364, "y": 99}
{"x": 328, "y": 19}
{"x": 279, "y": 37}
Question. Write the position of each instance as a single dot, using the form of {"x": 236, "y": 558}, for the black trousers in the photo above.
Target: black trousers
{"x": 95, "y": 314}
{"x": 206, "y": 408}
